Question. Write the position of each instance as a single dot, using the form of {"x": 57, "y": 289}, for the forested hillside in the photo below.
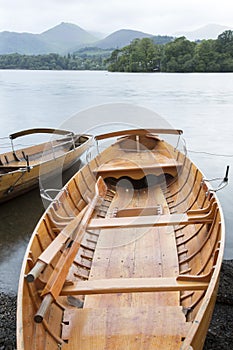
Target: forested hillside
{"x": 180, "y": 55}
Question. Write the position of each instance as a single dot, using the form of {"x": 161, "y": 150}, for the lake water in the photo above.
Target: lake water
{"x": 200, "y": 104}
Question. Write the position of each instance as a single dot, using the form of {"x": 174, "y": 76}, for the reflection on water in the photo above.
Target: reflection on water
{"x": 18, "y": 219}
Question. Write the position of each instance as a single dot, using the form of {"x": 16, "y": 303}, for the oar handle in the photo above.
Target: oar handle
{"x": 35, "y": 271}
{"x": 44, "y": 306}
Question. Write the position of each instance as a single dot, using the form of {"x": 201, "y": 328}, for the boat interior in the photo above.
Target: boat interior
{"x": 145, "y": 260}
{"x": 33, "y": 155}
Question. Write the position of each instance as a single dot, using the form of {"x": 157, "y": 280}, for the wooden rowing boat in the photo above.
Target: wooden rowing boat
{"x": 127, "y": 257}
{"x": 20, "y": 169}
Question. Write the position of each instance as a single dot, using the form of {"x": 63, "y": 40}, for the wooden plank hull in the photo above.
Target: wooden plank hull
{"x": 16, "y": 178}
{"x": 147, "y": 267}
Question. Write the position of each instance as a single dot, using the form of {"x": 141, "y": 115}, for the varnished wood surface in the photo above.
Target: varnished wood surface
{"x": 139, "y": 132}
{"x": 127, "y": 327}
{"x": 139, "y": 164}
{"x": 18, "y": 176}
{"x": 38, "y": 131}
{"x": 135, "y": 221}
{"x": 146, "y": 272}
{"x": 132, "y": 285}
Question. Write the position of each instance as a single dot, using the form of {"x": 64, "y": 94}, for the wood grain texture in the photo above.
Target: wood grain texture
{"x": 146, "y": 271}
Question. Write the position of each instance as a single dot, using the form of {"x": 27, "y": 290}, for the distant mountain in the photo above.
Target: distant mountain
{"x": 66, "y": 36}
{"x": 62, "y": 38}
{"x": 120, "y": 39}
{"x": 210, "y": 31}
{"x": 23, "y": 43}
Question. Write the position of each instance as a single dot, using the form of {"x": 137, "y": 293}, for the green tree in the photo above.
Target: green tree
{"x": 178, "y": 56}
{"x": 150, "y": 55}
{"x": 206, "y": 58}
{"x": 112, "y": 61}
{"x": 140, "y": 56}
{"x": 224, "y": 43}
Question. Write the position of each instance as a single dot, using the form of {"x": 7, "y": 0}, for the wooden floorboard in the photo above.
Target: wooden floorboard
{"x": 108, "y": 321}
{"x": 135, "y": 253}
{"x": 117, "y": 328}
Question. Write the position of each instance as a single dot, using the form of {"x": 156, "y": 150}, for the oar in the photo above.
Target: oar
{"x": 59, "y": 274}
{"x": 54, "y": 247}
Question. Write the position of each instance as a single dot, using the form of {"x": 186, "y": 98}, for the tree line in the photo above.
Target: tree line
{"x": 180, "y": 55}
{"x": 141, "y": 55}
{"x": 52, "y": 61}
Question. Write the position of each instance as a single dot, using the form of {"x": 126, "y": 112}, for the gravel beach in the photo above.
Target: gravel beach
{"x": 220, "y": 334}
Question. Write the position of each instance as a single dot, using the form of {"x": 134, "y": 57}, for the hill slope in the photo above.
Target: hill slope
{"x": 120, "y": 39}
{"x": 210, "y": 31}
{"x": 23, "y": 43}
{"x": 66, "y": 36}
{"x": 59, "y": 39}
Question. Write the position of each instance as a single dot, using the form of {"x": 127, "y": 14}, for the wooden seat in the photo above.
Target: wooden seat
{"x": 135, "y": 285}
{"x": 124, "y": 167}
{"x": 147, "y": 220}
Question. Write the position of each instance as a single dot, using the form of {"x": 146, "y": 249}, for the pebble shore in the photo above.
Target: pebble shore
{"x": 219, "y": 337}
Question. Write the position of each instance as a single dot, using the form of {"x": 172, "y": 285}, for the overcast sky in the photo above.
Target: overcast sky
{"x": 150, "y": 16}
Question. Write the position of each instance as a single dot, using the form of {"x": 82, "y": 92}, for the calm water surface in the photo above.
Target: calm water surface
{"x": 200, "y": 104}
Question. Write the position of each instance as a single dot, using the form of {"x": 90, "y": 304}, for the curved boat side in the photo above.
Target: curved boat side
{"x": 19, "y": 176}
{"x": 182, "y": 258}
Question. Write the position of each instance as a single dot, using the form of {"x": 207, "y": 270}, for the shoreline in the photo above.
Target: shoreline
{"x": 219, "y": 336}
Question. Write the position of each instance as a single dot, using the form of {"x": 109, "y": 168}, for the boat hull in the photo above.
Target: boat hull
{"x": 17, "y": 178}
{"x": 146, "y": 270}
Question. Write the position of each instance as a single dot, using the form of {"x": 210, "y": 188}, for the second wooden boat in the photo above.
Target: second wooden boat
{"x": 127, "y": 257}
{"x": 20, "y": 169}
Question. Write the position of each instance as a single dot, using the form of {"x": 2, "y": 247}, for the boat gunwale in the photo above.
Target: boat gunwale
{"x": 138, "y": 132}
{"x": 40, "y": 131}
{"x": 21, "y": 167}
{"x": 213, "y": 283}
